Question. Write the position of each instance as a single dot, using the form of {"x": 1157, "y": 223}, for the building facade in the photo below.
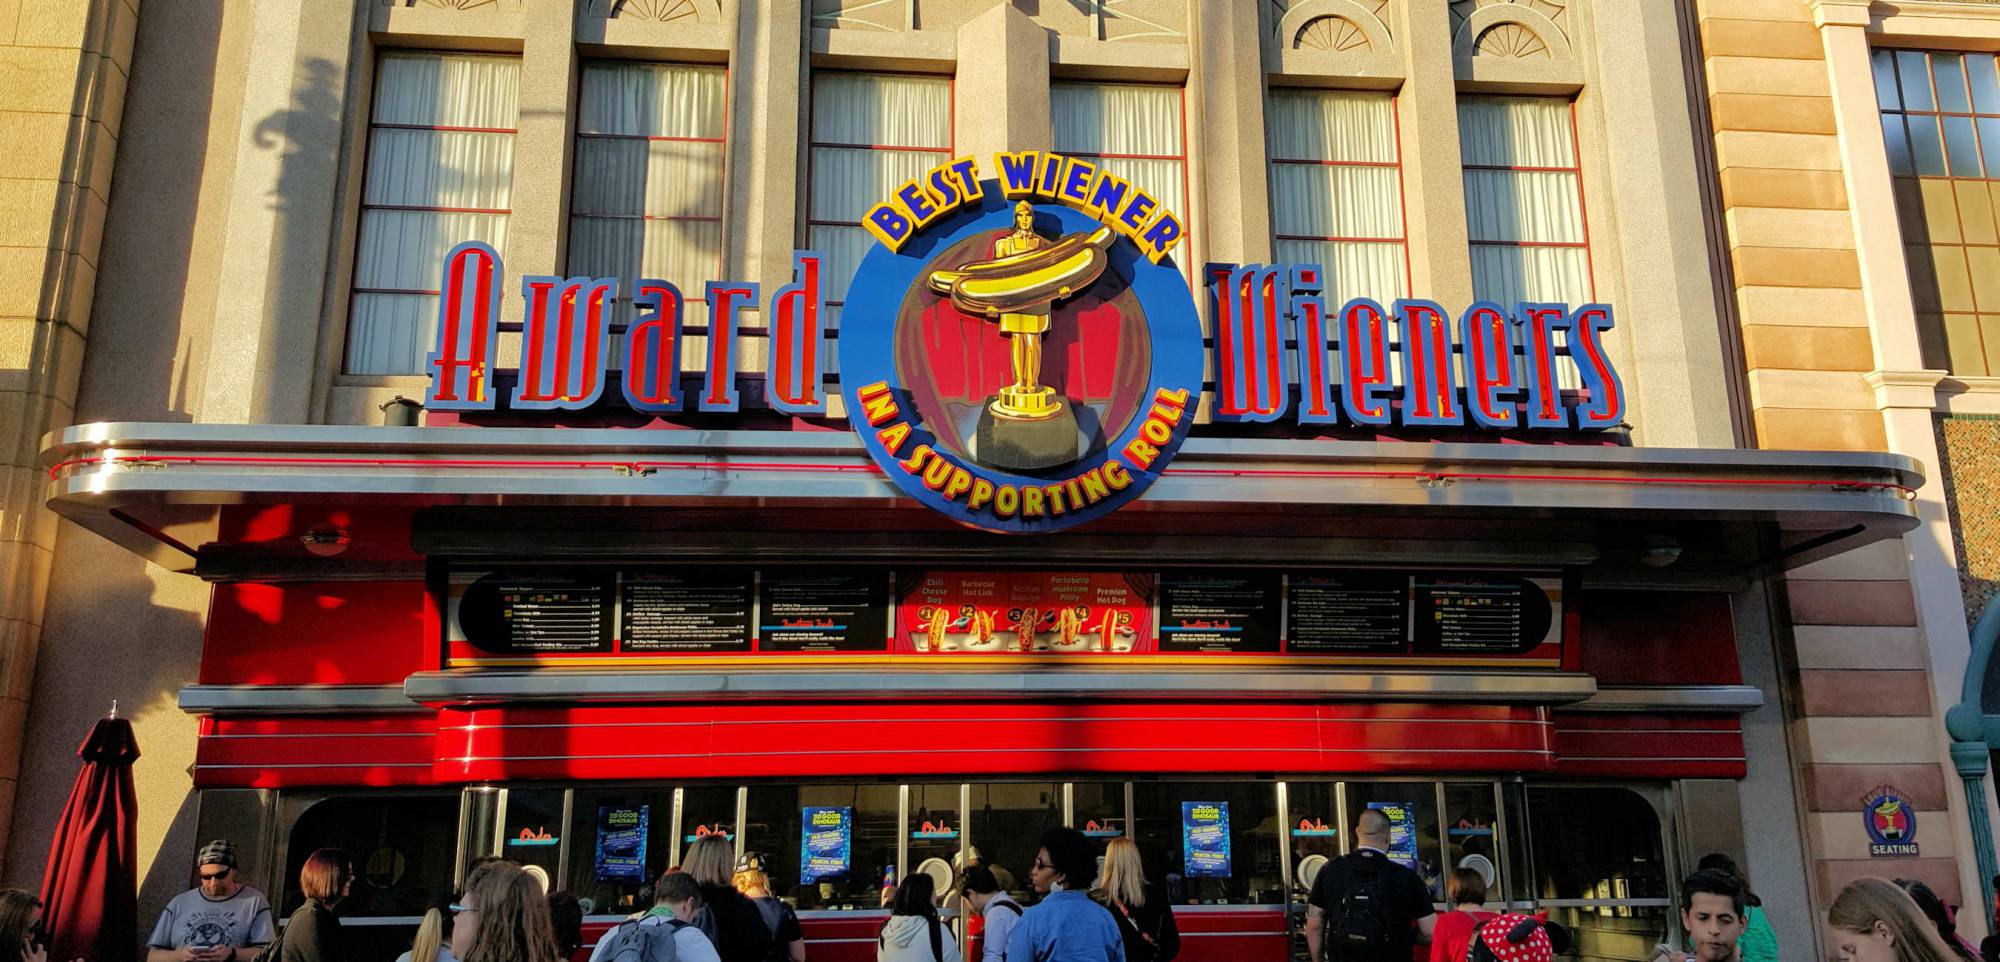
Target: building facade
{"x": 1735, "y": 614}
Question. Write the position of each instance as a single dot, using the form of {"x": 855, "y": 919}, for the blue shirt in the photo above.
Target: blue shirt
{"x": 1066, "y": 927}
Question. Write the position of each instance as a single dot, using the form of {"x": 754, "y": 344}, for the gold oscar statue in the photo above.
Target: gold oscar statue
{"x": 1025, "y": 426}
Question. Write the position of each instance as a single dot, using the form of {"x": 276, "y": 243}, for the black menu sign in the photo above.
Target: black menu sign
{"x": 1237, "y": 614}
{"x": 667, "y": 611}
{"x": 1479, "y": 615}
{"x": 519, "y": 613}
{"x": 805, "y": 611}
{"x": 1348, "y": 611}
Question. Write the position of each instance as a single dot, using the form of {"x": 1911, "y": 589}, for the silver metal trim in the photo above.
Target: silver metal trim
{"x": 510, "y": 685}
{"x": 1722, "y": 699}
{"x": 346, "y": 699}
{"x": 661, "y": 468}
{"x": 101, "y": 435}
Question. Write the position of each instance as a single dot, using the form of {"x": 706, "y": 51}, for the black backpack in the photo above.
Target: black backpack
{"x": 1358, "y": 925}
{"x": 773, "y": 912}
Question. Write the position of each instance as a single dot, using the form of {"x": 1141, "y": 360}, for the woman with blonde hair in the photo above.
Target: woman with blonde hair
{"x": 1876, "y": 921}
{"x": 1144, "y": 917}
{"x": 788, "y": 940}
{"x": 503, "y": 917}
{"x": 433, "y": 941}
{"x": 729, "y": 920}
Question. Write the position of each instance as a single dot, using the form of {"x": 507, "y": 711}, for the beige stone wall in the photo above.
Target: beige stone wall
{"x": 1877, "y": 645}
{"x": 63, "y": 73}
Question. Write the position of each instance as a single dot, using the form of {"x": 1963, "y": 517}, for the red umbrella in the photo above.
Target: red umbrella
{"x": 90, "y": 891}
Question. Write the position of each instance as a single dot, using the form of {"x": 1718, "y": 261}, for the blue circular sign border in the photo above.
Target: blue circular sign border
{"x": 867, "y": 355}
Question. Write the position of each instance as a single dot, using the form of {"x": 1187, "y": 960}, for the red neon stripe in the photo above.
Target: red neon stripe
{"x": 640, "y": 465}
{"x": 468, "y": 463}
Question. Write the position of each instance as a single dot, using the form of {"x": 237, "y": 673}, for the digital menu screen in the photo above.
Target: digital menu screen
{"x": 808, "y": 611}
{"x": 1227, "y": 613}
{"x": 664, "y": 611}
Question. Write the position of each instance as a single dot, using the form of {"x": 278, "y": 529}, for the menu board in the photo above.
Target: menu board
{"x": 1348, "y": 611}
{"x": 811, "y": 611}
{"x": 1479, "y": 615}
{"x": 1225, "y": 613}
{"x": 523, "y": 613}
{"x": 670, "y": 611}
{"x": 591, "y": 614}
{"x": 1066, "y": 612}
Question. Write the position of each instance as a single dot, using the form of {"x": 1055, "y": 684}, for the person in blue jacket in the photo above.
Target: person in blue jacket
{"x": 1067, "y": 925}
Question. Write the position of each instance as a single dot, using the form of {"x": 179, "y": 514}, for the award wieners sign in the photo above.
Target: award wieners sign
{"x": 1019, "y": 350}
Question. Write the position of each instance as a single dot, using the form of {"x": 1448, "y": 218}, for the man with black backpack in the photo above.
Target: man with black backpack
{"x": 665, "y": 933}
{"x": 981, "y": 893}
{"x": 1364, "y": 907}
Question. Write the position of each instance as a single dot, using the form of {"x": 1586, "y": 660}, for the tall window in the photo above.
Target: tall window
{"x": 870, "y": 133}
{"x": 1941, "y": 118}
{"x": 1136, "y": 131}
{"x": 649, "y": 171}
{"x": 440, "y": 167}
{"x": 1524, "y": 203}
{"x": 1336, "y": 164}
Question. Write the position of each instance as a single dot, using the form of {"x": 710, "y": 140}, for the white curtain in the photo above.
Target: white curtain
{"x": 1093, "y": 119}
{"x": 1506, "y": 208}
{"x": 425, "y": 191}
{"x": 853, "y": 115}
{"x": 648, "y": 174}
{"x": 1336, "y": 191}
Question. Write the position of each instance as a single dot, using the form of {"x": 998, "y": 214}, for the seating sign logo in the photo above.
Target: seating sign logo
{"x": 1891, "y": 822}
{"x": 1020, "y": 352}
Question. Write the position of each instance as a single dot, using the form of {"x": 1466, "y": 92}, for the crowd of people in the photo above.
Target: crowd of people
{"x": 714, "y": 907}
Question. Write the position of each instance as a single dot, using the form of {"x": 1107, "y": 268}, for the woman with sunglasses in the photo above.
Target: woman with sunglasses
{"x": 20, "y": 926}
{"x": 503, "y": 917}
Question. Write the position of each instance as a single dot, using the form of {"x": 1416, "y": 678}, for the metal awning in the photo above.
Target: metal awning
{"x": 166, "y": 490}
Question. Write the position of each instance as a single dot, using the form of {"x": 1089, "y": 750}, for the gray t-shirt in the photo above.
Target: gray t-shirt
{"x": 195, "y": 919}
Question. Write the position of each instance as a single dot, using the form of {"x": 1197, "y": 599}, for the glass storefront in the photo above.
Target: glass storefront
{"x": 1592, "y": 856}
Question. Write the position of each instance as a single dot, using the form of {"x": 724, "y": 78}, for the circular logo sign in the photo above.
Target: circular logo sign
{"x": 1020, "y": 366}
{"x": 1891, "y": 821}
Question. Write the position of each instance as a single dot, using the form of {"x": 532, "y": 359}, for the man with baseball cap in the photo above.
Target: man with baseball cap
{"x": 219, "y": 920}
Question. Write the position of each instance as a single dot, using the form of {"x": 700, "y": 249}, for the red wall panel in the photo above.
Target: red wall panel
{"x": 1620, "y": 745}
{"x": 999, "y": 738}
{"x": 283, "y": 752}
{"x": 315, "y": 633}
{"x": 1658, "y": 638}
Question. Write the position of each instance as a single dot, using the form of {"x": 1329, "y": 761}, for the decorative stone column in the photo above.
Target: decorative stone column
{"x": 59, "y": 123}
